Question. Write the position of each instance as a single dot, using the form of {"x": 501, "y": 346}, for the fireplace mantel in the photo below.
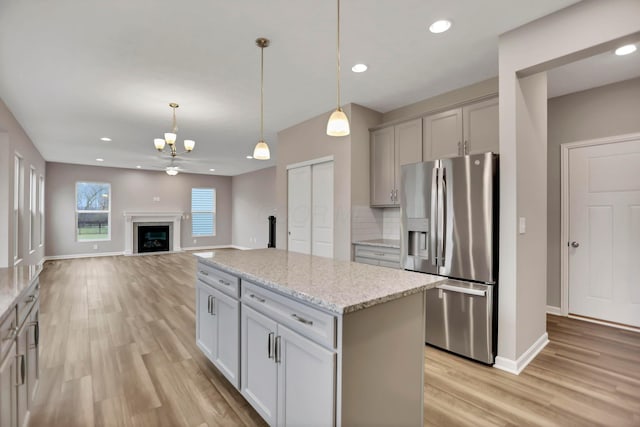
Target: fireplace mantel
{"x": 150, "y": 217}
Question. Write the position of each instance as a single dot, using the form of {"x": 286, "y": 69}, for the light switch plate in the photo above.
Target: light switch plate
{"x": 522, "y": 225}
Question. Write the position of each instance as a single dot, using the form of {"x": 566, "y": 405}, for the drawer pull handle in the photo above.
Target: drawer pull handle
{"x": 224, "y": 283}
{"x": 380, "y": 253}
{"x": 204, "y": 273}
{"x": 302, "y": 319}
{"x": 262, "y": 300}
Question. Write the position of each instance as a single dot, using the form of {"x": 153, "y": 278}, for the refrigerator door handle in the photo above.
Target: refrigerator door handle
{"x": 433, "y": 224}
{"x": 442, "y": 194}
{"x": 447, "y": 287}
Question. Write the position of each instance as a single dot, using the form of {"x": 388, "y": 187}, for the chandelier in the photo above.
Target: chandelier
{"x": 170, "y": 141}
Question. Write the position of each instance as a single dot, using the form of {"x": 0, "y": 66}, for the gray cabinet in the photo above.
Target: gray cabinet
{"x": 391, "y": 148}
{"x": 8, "y": 389}
{"x": 377, "y": 255}
{"x": 218, "y": 320}
{"x": 442, "y": 135}
{"x": 19, "y": 359}
{"x": 286, "y": 376}
{"x": 470, "y": 129}
{"x": 481, "y": 129}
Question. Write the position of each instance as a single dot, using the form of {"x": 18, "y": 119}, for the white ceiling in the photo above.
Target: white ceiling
{"x": 75, "y": 71}
{"x": 592, "y": 72}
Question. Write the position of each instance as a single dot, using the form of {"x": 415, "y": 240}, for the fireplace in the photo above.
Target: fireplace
{"x": 134, "y": 220}
{"x": 153, "y": 238}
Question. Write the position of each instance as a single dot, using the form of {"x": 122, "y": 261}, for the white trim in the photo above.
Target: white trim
{"x": 72, "y": 256}
{"x": 604, "y": 323}
{"x": 132, "y": 217}
{"x": 564, "y": 207}
{"x": 310, "y": 162}
{"x": 518, "y": 365}
{"x": 556, "y": 311}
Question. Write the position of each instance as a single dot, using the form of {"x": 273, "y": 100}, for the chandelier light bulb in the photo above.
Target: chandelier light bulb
{"x": 159, "y": 144}
{"x": 189, "y": 144}
{"x": 170, "y": 137}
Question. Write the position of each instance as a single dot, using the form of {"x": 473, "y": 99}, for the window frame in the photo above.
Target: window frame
{"x": 33, "y": 208}
{"x": 212, "y": 212}
{"x": 41, "y": 209}
{"x": 18, "y": 195}
{"x": 78, "y": 211}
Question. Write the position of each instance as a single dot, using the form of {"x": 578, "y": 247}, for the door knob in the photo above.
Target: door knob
{"x": 575, "y": 244}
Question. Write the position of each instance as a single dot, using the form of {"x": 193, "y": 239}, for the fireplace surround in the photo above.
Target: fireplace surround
{"x": 134, "y": 219}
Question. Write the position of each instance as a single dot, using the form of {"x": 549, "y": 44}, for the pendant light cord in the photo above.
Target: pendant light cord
{"x": 261, "y": 93}
{"x": 338, "y": 56}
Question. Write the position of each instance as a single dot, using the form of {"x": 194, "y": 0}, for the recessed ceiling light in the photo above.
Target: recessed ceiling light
{"x": 138, "y": 167}
{"x": 440, "y": 26}
{"x": 211, "y": 170}
{"x": 99, "y": 160}
{"x": 626, "y": 49}
{"x": 359, "y": 68}
{"x": 249, "y": 157}
{"x": 105, "y": 139}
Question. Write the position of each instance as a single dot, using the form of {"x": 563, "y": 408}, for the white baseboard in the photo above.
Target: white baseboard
{"x": 518, "y": 365}
{"x": 57, "y": 257}
{"x": 556, "y": 311}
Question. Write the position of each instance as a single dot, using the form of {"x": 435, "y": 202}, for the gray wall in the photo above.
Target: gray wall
{"x": 131, "y": 190}
{"x": 14, "y": 140}
{"x": 253, "y": 199}
{"x": 605, "y": 111}
{"x": 307, "y": 141}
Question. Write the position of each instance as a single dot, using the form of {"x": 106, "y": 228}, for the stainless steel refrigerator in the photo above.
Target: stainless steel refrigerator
{"x": 449, "y": 222}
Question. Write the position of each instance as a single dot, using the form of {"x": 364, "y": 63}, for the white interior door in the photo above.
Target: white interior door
{"x": 322, "y": 213}
{"x": 299, "y": 209}
{"x": 604, "y": 232}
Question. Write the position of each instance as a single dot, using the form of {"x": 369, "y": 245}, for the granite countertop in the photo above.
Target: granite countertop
{"x": 337, "y": 286}
{"x": 387, "y": 243}
{"x": 14, "y": 281}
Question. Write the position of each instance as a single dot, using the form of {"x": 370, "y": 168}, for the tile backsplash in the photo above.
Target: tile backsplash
{"x": 391, "y": 223}
{"x": 369, "y": 223}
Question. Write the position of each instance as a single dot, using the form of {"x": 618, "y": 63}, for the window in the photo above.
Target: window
{"x": 41, "y": 209}
{"x": 203, "y": 212}
{"x": 93, "y": 211}
{"x": 18, "y": 186}
{"x": 33, "y": 209}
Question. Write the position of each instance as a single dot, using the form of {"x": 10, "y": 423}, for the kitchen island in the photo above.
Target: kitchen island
{"x": 309, "y": 340}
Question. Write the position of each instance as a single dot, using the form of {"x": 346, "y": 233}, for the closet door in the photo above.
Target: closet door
{"x": 299, "y": 209}
{"x": 322, "y": 211}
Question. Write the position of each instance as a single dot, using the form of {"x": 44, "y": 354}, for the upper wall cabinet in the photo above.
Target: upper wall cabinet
{"x": 392, "y": 147}
{"x": 468, "y": 130}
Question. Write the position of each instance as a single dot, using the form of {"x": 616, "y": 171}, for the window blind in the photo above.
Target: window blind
{"x": 203, "y": 211}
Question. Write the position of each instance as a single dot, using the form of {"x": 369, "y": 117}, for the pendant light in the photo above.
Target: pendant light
{"x": 338, "y": 124}
{"x": 261, "y": 152}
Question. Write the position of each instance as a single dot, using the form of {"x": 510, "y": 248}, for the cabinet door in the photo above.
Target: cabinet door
{"x": 8, "y": 397}
{"x": 21, "y": 367}
{"x": 408, "y": 149}
{"x": 306, "y": 381}
{"x": 481, "y": 131}
{"x": 205, "y": 321}
{"x": 382, "y": 167}
{"x": 227, "y": 313}
{"x": 442, "y": 135}
{"x": 33, "y": 356}
{"x": 259, "y": 370}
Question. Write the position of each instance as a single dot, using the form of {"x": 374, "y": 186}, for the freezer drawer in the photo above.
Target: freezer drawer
{"x": 459, "y": 318}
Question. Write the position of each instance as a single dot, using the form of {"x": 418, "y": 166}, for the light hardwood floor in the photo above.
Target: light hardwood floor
{"x": 118, "y": 349}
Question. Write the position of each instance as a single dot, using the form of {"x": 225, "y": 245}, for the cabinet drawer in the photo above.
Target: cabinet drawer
{"x": 26, "y": 304}
{"x": 308, "y": 321}
{"x": 380, "y": 253}
{"x": 7, "y": 331}
{"x": 225, "y": 282}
